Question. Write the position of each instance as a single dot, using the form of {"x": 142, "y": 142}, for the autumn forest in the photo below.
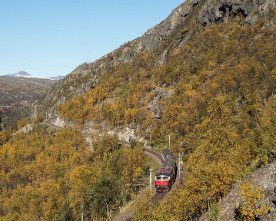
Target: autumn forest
{"x": 216, "y": 99}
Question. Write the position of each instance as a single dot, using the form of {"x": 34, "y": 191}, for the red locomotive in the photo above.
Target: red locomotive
{"x": 165, "y": 177}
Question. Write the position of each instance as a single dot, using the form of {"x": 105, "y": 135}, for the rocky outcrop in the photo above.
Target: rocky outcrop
{"x": 28, "y": 128}
{"x": 265, "y": 178}
{"x": 58, "y": 122}
{"x": 247, "y": 10}
{"x": 154, "y": 104}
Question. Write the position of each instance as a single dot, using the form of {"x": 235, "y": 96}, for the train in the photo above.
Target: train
{"x": 166, "y": 175}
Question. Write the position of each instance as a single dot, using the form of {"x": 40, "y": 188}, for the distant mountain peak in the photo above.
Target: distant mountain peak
{"x": 59, "y": 77}
{"x": 22, "y": 73}
{"x": 19, "y": 74}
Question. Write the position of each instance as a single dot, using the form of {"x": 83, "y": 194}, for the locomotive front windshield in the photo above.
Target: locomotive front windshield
{"x": 162, "y": 177}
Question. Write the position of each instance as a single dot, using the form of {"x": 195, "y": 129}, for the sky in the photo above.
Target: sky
{"x": 52, "y": 37}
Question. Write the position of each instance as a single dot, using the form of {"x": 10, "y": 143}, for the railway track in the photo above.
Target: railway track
{"x": 158, "y": 158}
{"x": 127, "y": 214}
{"x": 154, "y": 155}
{"x": 157, "y": 197}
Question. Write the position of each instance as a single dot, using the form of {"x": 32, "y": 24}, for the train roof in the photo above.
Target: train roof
{"x": 168, "y": 154}
{"x": 164, "y": 171}
{"x": 169, "y": 163}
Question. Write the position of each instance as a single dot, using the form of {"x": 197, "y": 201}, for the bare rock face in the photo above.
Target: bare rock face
{"x": 221, "y": 10}
{"x": 265, "y": 178}
{"x": 156, "y": 35}
{"x": 154, "y": 104}
{"x": 58, "y": 122}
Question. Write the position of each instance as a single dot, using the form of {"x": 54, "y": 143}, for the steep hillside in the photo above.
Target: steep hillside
{"x": 160, "y": 40}
{"x": 52, "y": 175}
{"x": 205, "y": 76}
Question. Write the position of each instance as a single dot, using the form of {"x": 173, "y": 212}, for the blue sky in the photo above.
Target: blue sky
{"x": 52, "y": 37}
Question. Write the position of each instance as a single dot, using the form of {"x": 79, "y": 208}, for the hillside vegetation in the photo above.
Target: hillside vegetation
{"x": 52, "y": 175}
{"x": 213, "y": 92}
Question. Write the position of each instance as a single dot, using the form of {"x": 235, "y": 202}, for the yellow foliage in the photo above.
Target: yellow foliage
{"x": 221, "y": 111}
{"x": 22, "y": 123}
{"x": 251, "y": 208}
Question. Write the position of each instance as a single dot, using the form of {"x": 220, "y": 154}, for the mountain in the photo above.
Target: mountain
{"x": 23, "y": 74}
{"x": 19, "y": 74}
{"x": 202, "y": 81}
{"x": 161, "y": 40}
{"x": 20, "y": 90}
{"x": 59, "y": 77}
{"x": 204, "y": 75}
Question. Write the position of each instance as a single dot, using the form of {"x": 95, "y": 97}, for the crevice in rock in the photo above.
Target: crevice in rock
{"x": 239, "y": 12}
{"x": 195, "y": 2}
{"x": 225, "y": 11}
